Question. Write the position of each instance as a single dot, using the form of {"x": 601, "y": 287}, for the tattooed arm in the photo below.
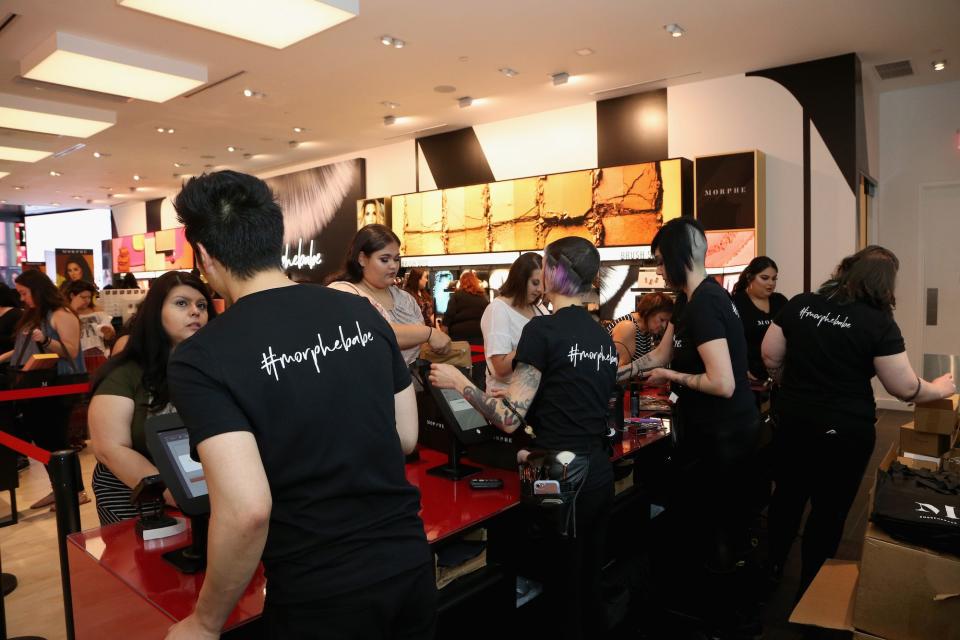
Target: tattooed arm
{"x": 523, "y": 388}
{"x": 774, "y": 350}
{"x": 659, "y": 357}
{"x": 718, "y": 380}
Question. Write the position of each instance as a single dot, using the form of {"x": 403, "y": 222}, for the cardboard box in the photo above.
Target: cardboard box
{"x": 915, "y": 461}
{"x": 828, "y": 601}
{"x": 906, "y": 592}
{"x": 926, "y": 444}
{"x": 937, "y": 416}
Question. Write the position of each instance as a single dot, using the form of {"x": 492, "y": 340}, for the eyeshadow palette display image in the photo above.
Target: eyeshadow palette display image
{"x": 614, "y": 206}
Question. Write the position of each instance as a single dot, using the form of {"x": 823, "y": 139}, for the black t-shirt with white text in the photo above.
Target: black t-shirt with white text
{"x": 829, "y": 358}
{"x": 755, "y": 322}
{"x": 312, "y": 373}
{"x": 578, "y": 363}
{"x": 710, "y": 315}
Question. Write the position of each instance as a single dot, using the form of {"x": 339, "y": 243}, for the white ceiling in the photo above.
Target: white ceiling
{"x": 333, "y": 83}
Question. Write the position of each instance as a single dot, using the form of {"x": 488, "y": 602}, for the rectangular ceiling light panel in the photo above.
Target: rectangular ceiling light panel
{"x": 16, "y": 154}
{"x": 45, "y": 116}
{"x": 4, "y": 174}
{"x": 277, "y": 23}
{"x": 97, "y": 66}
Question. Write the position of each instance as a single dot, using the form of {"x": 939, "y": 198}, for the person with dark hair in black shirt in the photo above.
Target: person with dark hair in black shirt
{"x": 758, "y": 302}
{"x": 715, "y": 414}
{"x": 826, "y": 347}
{"x": 564, "y": 372}
{"x": 301, "y": 408}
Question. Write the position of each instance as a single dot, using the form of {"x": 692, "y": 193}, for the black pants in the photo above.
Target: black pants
{"x": 403, "y": 607}
{"x": 570, "y": 569}
{"x": 822, "y": 464}
{"x": 46, "y": 420}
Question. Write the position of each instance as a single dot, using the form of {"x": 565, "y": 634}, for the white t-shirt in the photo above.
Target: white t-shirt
{"x": 502, "y": 325}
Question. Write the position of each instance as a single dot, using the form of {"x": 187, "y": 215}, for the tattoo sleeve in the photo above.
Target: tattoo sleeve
{"x": 633, "y": 369}
{"x": 523, "y": 388}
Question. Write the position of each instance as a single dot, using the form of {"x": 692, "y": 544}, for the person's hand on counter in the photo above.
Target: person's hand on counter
{"x": 439, "y": 341}
{"x": 945, "y": 385}
{"x": 191, "y": 628}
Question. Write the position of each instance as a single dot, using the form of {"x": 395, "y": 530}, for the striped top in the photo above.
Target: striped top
{"x": 643, "y": 343}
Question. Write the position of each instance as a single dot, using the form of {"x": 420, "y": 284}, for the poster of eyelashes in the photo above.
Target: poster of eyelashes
{"x": 611, "y": 206}
{"x": 319, "y": 216}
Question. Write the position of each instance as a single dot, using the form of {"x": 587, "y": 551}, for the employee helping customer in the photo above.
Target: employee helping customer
{"x": 564, "y": 371}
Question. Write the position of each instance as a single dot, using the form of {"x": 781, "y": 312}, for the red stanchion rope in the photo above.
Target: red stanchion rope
{"x": 27, "y": 449}
{"x": 44, "y": 392}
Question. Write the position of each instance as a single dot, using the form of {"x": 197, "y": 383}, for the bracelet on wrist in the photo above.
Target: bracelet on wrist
{"x": 429, "y": 335}
{"x": 916, "y": 392}
{"x": 46, "y": 342}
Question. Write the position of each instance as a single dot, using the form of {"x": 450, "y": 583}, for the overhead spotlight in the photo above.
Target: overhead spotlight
{"x": 586, "y": 51}
{"x": 55, "y": 204}
{"x": 169, "y": 130}
{"x": 386, "y": 41}
{"x": 77, "y": 198}
{"x": 389, "y": 120}
{"x": 231, "y": 149}
{"x": 18, "y": 188}
{"x": 560, "y": 78}
{"x": 160, "y": 129}
{"x": 939, "y": 65}
{"x": 136, "y": 177}
{"x": 390, "y": 105}
{"x": 465, "y": 102}
{"x": 248, "y": 93}
{"x": 674, "y": 29}
{"x": 507, "y": 71}
{"x": 298, "y": 129}
{"x": 398, "y": 44}
{"x": 97, "y": 154}
{"x": 55, "y": 174}
{"x": 178, "y": 164}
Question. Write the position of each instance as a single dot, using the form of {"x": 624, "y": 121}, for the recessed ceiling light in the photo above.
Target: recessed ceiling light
{"x": 77, "y": 198}
{"x": 58, "y": 118}
{"x": 390, "y": 105}
{"x": 278, "y": 23}
{"x": 17, "y": 154}
{"x": 507, "y": 71}
{"x": 136, "y": 177}
{"x": 169, "y": 130}
{"x": 248, "y": 93}
{"x": 55, "y": 204}
{"x": 465, "y": 102}
{"x": 674, "y": 30}
{"x": 97, "y": 154}
{"x": 231, "y": 149}
{"x": 55, "y": 174}
{"x": 73, "y": 61}
{"x": 560, "y": 78}
{"x": 939, "y": 65}
{"x": 298, "y": 129}
{"x": 389, "y": 120}
{"x": 18, "y": 188}
{"x": 160, "y": 129}
{"x": 386, "y": 40}
{"x": 180, "y": 164}
{"x": 586, "y": 51}
{"x": 398, "y": 44}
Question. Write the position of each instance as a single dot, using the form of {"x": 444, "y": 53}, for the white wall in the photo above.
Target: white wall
{"x": 918, "y": 145}
{"x": 833, "y": 212}
{"x": 740, "y": 113}
{"x": 70, "y": 230}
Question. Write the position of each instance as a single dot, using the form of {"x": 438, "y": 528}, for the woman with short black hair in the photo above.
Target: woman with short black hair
{"x": 826, "y": 347}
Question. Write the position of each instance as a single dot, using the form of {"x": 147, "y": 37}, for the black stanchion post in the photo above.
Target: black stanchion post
{"x": 64, "y": 472}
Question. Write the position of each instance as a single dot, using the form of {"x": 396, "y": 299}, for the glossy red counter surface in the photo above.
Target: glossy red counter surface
{"x": 122, "y": 585}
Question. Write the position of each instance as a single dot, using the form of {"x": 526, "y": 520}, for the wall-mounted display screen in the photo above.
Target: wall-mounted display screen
{"x": 613, "y": 206}
{"x": 166, "y": 250}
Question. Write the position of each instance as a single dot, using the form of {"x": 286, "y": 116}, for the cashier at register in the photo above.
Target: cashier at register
{"x": 564, "y": 371}
{"x": 300, "y": 406}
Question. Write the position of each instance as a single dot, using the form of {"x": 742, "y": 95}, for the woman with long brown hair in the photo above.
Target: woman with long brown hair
{"x": 47, "y": 326}
{"x": 828, "y": 346}
{"x": 417, "y": 284}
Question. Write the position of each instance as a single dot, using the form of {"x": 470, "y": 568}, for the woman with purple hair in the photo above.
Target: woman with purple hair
{"x": 564, "y": 372}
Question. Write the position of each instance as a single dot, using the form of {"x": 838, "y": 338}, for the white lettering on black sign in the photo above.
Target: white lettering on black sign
{"x": 301, "y": 259}
{"x": 271, "y": 363}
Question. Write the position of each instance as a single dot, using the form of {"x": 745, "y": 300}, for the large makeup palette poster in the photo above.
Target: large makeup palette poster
{"x": 166, "y": 250}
